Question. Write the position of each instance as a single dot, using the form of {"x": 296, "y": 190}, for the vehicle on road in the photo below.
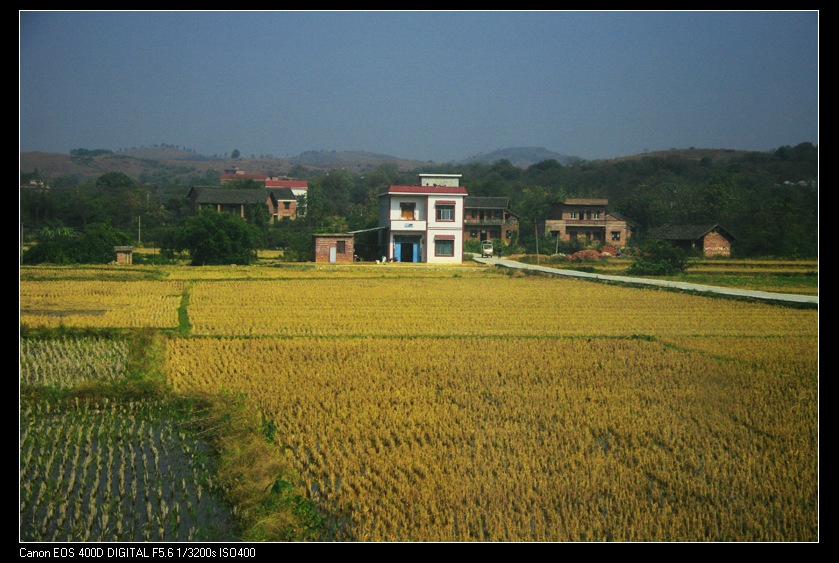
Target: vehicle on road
{"x": 487, "y": 249}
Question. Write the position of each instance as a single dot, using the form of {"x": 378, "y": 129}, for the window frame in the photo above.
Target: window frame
{"x": 440, "y": 207}
{"x": 408, "y": 207}
{"x": 440, "y": 241}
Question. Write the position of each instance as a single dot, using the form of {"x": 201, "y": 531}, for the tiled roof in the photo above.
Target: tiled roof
{"x": 230, "y": 196}
{"x": 430, "y": 190}
{"x": 282, "y": 194}
{"x": 486, "y": 202}
{"x": 674, "y": 231}
{"x": 286, "y": 184}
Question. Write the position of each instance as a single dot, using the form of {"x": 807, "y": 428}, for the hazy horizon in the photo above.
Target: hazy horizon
{"x": 422, "y": 85}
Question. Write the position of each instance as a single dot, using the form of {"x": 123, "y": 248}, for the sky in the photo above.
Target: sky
{"x": 423, "y": 85}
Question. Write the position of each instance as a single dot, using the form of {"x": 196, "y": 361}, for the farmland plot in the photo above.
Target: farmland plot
{"x": 492, "y": 408}
{"x": 115, "y": 472}
{"x": 524, "y": 409}
{"x": 532, "y": 439}
{"x": 100, "y": 304}
{"x": 472, "y": 306}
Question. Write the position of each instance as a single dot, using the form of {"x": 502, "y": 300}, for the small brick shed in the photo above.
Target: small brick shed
{"x": 334, "y": 248}
{"x": 124, "y": 254}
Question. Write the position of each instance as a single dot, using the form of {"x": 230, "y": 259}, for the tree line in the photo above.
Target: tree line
{"x": 768, "y": 200}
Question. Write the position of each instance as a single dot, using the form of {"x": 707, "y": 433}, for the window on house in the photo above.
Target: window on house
{"x": 342, "y": 246}
{"x": 443, "y": 247}
{"x": 474, "y": 214}
{"x": 408, "y": 211}
{"x": 595, "y": 215}
{"x": 496, "y": 214}
{"x": 445, "y": 212}
{"x": 508, "y": 234}
{"x": 286, "y": 205}
{"x": 616, "y": 235}
{"x": 473, "y": 233}
{"x": 573, "y": 214}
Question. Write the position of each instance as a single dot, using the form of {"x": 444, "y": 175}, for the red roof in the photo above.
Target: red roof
{"x": 286, "y": 184}
{"x": 450, "y": 190}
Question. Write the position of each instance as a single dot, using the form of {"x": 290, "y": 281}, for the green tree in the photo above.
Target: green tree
{"x": 658, "y": 258}
{"x": 95, "y": 245}
{"x": 532, "y": 208}
{"x": 213, "y": 238}
{"x": 244, "y": 184}
{"x": 235, "y": 154}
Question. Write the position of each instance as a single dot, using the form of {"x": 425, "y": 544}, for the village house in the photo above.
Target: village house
{"x": 286, "y": 190}
{"x": 423, "y": 223}
{"x": 230, "y": 200}
{"x": 710, "y": 238}
{"x": 286, "y": 206}
{"x": 489, "y": 218}
{"x": 588, "y": 220}
{"x": 297, "y": 187}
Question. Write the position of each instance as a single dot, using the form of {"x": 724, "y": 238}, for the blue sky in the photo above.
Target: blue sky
{"x": 426, "y": 85}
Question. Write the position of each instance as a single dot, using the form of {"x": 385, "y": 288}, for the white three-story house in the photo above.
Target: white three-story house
{"x": 423, "y": 223}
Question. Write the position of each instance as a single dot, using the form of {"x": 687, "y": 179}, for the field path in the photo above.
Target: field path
{"x": 762, "y": 295}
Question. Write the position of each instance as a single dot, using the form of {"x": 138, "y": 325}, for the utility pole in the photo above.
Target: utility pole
{"x": 139, "y": 229}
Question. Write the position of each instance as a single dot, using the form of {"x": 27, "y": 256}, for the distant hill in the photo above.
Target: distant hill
{"x": 145, "y": 164}
{"x": 182, "y": 166}
{"x": 522, "y": 156}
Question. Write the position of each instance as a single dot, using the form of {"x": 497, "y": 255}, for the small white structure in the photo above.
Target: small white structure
{"x": 423, "y": 223}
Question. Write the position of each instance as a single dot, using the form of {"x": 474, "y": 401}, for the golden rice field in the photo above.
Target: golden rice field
{"x": 99, "y": 303}
{"x": 466, "y": 405}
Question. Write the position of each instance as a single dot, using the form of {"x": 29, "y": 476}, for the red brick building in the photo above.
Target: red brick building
{"x": 711, "y": 238}
{"x": 334, "y": 248}
{"x": 286, "y": 206}
{"x": 589, "y": 220}
{"x": 489, "y": 218}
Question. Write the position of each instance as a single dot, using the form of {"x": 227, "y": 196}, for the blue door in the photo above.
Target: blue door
{"x": 407, "y": 252}
{"x": 407, "y": 249}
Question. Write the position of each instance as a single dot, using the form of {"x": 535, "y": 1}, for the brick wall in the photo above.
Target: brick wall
{"x": 324, "y": 242}
{"x": 715, "y": 244}
{"x": 282, "y": 212}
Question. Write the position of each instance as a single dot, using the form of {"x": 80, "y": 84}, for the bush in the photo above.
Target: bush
{"x": 658, "y": 258}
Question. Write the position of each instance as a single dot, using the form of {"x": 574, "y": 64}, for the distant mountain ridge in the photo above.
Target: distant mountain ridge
{"x": 522, "y": 157}
{"x": 183, "y": 165}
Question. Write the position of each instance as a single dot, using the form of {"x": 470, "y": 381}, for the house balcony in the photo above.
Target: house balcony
{"x": 489, "y": 222}
{"x": 585, "y": 222}
{"x": 407, "y": 225}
